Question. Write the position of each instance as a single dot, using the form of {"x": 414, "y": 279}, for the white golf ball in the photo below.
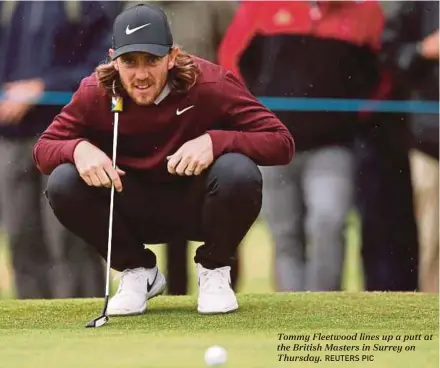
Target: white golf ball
{"x": 216, "y": 355}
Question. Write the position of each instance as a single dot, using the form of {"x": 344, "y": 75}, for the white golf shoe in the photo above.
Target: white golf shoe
{"x": 136, "y": 287}
{"x": 215, "y": 292}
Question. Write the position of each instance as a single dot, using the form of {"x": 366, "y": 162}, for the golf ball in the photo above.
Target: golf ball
{"x": 216, "y": 355}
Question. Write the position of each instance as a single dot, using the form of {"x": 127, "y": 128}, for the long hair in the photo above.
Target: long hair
{"x": 182, "y": 76}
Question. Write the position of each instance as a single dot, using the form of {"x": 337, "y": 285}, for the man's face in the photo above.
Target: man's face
{"x": 144, "y": 75}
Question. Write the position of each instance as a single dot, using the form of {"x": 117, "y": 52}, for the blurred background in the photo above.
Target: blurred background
{"x": 356, "y": 209}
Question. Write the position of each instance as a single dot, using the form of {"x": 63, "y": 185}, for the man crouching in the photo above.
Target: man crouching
{"x": 189, "y": 141}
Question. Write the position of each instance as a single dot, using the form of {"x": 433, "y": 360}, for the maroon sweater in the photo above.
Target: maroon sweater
{"x": 235, "y": 120}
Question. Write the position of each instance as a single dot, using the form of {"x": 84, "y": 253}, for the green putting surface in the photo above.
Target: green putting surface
{"x": 172, "y": 334}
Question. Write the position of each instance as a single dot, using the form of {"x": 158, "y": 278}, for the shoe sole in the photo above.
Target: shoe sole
{"x": 154, "y": 294}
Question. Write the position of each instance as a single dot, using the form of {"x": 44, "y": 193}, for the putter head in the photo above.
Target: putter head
{"x": 103, "y": 318}
{"x": 98, "y": 322}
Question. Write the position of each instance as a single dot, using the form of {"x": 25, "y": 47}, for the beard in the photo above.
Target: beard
{"x": 145, "y": 92}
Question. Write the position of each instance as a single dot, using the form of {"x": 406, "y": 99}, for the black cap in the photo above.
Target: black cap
{"x": 142, "y": 28}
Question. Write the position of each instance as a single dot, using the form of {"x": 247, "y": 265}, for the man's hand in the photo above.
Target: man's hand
{"x": 95, "y": 168}
{"x": 19, "y": 97}
{"x": 430, "y": 46}
{"x": 193, "y": 157}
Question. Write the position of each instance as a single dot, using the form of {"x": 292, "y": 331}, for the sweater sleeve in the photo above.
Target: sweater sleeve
{"x": 58, "y": 142}
{"x": 249, "y": 127}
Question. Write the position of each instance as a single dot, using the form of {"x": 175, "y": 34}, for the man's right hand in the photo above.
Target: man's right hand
{"x": 95, "y": 168}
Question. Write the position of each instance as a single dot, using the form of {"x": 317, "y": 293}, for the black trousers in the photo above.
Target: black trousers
{"x": 177, "y": 271}
{"x": 385, "y": 201}
{"x": 217, "y": 207}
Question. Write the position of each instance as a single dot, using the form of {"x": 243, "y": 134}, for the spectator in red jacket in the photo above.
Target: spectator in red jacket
{"x": 308, "y": 49}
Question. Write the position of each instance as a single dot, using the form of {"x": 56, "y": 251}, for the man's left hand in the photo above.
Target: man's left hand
{"x": 193, "y": 157}
{"x": 19, "y": 97}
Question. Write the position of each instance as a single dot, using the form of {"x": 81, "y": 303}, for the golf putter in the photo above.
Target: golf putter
{"x": 103, "y": 318}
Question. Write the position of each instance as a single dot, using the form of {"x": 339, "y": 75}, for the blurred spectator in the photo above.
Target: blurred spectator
{"x": 411, "y": 50}
{"x": 47, "y": 46}
{"x": 384, "y": 188}
{"x": 197, "y": 26}
{"x": 319, "y": 50}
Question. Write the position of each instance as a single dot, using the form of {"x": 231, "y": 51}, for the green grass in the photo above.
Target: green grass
{"x": 51, "y": 333}
{"x": 172, "y": 334}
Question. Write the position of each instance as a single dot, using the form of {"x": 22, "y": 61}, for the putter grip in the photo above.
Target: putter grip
{"x": 117, "y": 105}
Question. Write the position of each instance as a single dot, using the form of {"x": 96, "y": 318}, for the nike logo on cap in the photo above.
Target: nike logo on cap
{"x": 180, "y": 112}
{"x": 129, "y": 31}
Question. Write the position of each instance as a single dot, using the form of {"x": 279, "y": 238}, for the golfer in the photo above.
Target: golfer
{"x": 189, "y": 141}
